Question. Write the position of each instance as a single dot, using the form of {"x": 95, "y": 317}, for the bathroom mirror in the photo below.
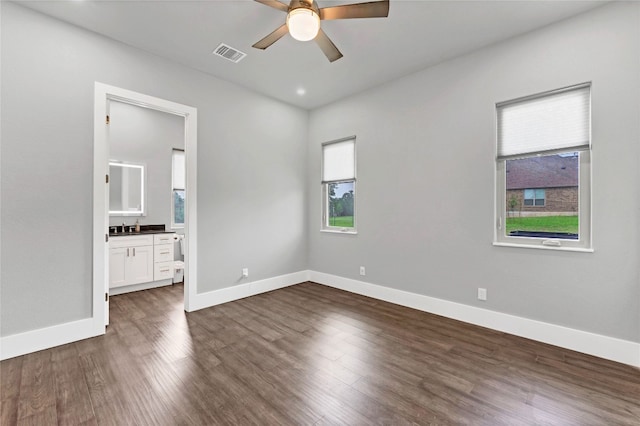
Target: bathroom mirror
{"x": 126, "y": 189}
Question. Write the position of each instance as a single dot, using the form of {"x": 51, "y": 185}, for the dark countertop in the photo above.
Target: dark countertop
{"x": 126, "y": 234}
{"x": 144, "y": 230}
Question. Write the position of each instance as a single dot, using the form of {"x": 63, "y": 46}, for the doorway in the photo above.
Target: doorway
{"x": 104, "y": 95}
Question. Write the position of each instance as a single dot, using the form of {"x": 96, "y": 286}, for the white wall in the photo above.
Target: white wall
{"x": 251, "y": 168}
{"x": 425, "y": 194}
{"x": 146, "y": 136}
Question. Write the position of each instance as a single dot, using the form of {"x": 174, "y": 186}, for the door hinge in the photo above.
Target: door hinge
{"x": 106, "y": 178}
{"x": 106, "y": 238}
{"x": 106, "y": 297}
{"x": 107, "y": 119}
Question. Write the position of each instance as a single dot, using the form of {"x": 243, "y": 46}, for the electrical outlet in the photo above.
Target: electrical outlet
{"x": 362, "y": 271}
{"x": 482, "y": 293}
{"x": 245, "y": 272}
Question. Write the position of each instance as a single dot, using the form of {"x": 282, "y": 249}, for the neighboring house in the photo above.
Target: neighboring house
{"x": 543, "y": 186}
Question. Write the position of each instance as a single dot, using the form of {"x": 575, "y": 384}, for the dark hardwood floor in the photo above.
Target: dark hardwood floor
{"x": 308, "y": 354}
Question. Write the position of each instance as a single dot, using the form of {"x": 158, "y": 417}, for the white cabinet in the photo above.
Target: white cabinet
{"x": 130, "y": 260}
{"x": 162, "y": 256}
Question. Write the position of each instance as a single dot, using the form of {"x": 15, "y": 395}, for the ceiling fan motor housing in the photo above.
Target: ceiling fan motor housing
{"x": 303, "y": 23}
{"x": 304, "y": 16}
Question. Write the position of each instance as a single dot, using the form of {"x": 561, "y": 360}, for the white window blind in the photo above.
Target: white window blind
{"x": 178, "y": 169}
{"x": 555, "y": 121}
{"x": 338, "y": 161}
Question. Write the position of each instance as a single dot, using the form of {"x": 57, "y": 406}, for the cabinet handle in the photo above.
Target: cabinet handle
{"x": 127, "y": 252}
{"x": 134, "y": 252}
{"x": 164, "y": 270}
{"x": 164, "y": 252}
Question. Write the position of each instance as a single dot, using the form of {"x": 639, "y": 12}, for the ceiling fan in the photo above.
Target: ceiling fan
{"x": 304, "y": 16}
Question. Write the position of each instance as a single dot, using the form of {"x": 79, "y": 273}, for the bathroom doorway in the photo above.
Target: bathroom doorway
{"x": 111, "y": 102}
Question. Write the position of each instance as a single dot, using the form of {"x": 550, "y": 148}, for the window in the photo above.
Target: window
{"x": 534, "y": 197}
{"x": 543, "y": 170}
{"x": 339, "y": 185}
{"x": 178, "y": 180}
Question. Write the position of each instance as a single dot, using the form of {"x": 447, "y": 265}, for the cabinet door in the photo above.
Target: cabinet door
{"x": 117, "y": 266}
{"x": 140, "y": 265}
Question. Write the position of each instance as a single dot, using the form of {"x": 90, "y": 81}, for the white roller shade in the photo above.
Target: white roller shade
{"x": 339, "y": 161}
{"x": 557, "y": 121}
{"x": 178, "y": 168}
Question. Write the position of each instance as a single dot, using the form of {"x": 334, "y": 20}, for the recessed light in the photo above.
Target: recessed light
{"x": 301, "y": 91}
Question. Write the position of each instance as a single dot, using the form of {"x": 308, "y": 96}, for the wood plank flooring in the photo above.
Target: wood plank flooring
{"x": 306, "y": 355}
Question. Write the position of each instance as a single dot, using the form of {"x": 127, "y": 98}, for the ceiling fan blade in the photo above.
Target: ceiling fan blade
{"x": 272, "y": 38}
{"x": 328, "y": 48}
{"x": 275, "y": 4}
{"x": 374, "y": 9}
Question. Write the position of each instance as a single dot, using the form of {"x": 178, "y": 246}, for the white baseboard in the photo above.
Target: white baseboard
{"x": 45, "y": 338}
{"x": 228, "y": 294}
{"x": 611, "y": 348}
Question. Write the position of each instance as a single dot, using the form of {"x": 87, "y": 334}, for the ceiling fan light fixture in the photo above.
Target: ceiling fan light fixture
{"x": 303, "y": 24}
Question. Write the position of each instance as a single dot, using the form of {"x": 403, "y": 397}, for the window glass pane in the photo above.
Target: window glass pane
{"x": 551, "y": 209}
{"x": 178, "y": 206}
{"x": 341, "y": 203}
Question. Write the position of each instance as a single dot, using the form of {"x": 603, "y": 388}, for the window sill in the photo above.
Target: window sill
{"x": 337, "y": 231}
{"x": 541, "y": 247}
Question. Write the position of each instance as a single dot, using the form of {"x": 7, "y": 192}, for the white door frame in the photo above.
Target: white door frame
{"x": 103, "y": 95}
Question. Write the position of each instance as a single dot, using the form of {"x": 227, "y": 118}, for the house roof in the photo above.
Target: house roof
{"x": 550, "y": 171}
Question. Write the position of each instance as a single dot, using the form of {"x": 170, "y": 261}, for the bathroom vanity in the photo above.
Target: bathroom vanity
{"x": 139, "y": 261}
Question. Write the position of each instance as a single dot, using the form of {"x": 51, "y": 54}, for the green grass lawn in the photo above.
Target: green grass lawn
{"x": 543, "y": 223}
{"x": 341, "y": 221}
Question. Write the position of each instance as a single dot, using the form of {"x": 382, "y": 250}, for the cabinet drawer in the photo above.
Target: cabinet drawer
{"x": 163, "y": 253}
{"x": 131, "y": 241}
{"x": 162, "y": 271}
{"x": 163, "y": 239}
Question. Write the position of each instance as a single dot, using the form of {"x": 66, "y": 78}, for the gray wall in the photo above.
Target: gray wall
{"x": 145, "y": 136}
{"x": 251, "y": 168}
{"x": 425, "y": 196}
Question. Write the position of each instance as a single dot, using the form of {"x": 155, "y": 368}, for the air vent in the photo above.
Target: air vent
{"x": 228, "y": 52}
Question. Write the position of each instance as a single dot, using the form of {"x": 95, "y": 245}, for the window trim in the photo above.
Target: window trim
{"x": 585, "y": 207}
{"x": 325, "y": 227}
{"x": 175, "y": 225}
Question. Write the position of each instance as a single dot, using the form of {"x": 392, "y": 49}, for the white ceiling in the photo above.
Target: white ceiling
{"x": 416, "y": 35}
